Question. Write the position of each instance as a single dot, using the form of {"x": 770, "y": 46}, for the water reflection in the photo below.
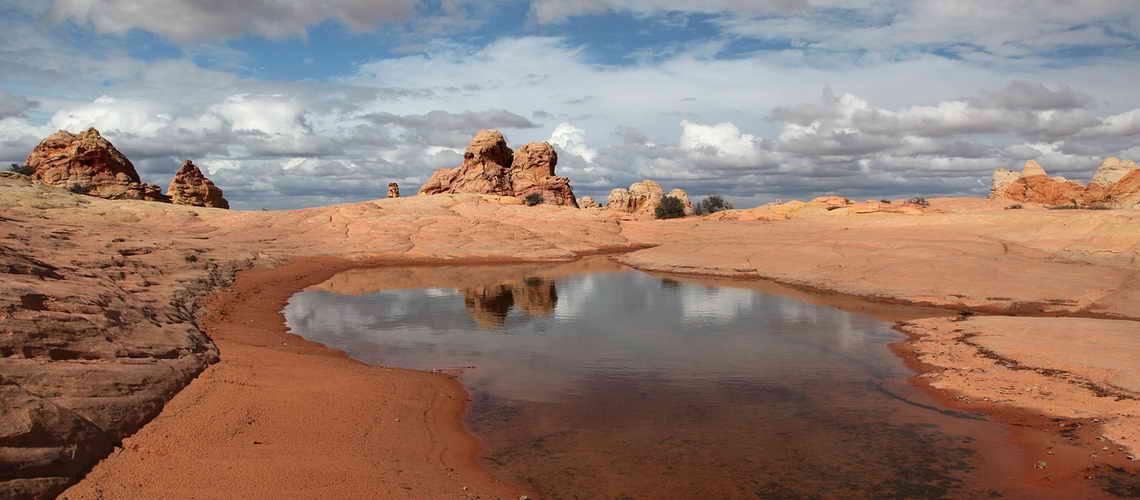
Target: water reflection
{"x": 489, "y": 305}
{"x": 611, "y": 383}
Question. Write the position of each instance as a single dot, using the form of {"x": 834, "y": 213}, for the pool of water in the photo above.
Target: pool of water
{"x": 590, "y": 380}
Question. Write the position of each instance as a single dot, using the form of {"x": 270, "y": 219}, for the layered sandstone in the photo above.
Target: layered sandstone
{"x": 88, "y": 163}
{"x": 393, "y": 190}
{"x": 191, "y": 187}
{"x": 1116, "y": 184}
{"x": 587, "y": 202}
{"x": 491, "y": 167}
{"x": 643, "y": 198}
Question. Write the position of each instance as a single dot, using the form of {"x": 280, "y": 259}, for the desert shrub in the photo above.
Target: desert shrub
{"x": 670, "y": 208}
{"x": 888, "y": 202}
{"x": 533, "y": 199}
{"x": 712, "y": 204}
{"x": 79, "y": 189}
{"x": 918, "y": 201}
{"x": 21, "y": 169}
{"x": 1076, "y": 206}
{"x": 1015, "y": 206}
{"x": 191, "y": 258}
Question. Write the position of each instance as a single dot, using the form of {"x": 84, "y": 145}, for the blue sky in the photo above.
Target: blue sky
{"x": 291, "y": 104}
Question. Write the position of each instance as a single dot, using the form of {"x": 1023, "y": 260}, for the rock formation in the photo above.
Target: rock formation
{"x": 1116, "y": 184}
{"x": 90, "y": 163}
{"x": 532, "y": 171}
{"x": 190, "y": 187}
{"x": 587, "y": 202}
{"x": 680, "y": 194}
{"x": 643, "y": 198}
{"x": 1112, "y": 170}
{"x": 490, "y": 167}
{"x": 393, "y": 190}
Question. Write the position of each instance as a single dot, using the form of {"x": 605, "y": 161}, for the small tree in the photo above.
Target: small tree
{"x": 670, "y": 208}
{"x": 21, "y": 169}
{"x": 79, "y": 189}
{"x": 712, "y": 204}
{"x": 533, "y": 199}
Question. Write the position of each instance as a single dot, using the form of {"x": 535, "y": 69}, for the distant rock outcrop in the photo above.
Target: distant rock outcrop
{"x": 191, "y": 187}
{"x": 1116, "y": 184}
{"x": 643, "y": 198}
{"x": 90, "y": 164}
{"x": 587, "y": 202}
{"x": 393, "y": 190}
{"x": 823, "y": 206}
{"x": 491, "y": 167}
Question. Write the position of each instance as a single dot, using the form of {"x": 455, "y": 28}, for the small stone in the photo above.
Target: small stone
{"x": 1041, "y": 464}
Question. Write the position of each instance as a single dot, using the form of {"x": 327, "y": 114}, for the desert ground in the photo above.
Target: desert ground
{"x": 193, "y": 387}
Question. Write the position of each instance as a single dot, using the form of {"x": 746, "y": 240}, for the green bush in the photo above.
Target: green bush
{"x": 21, "y": 169}
{"x": 670, "y": 208}
{"x": 712, "y": 204}
{"x": 79, "y": 189}
{"x": 533, "y": 199}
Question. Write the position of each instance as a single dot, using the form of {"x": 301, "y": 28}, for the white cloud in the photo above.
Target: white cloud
{"x": 572, "y": 139}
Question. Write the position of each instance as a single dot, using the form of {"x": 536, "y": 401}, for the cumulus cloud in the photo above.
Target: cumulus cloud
{"x": 572, "y": 139}
{"x": 197, "y": 20}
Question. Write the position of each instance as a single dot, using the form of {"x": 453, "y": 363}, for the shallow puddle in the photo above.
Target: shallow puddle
{"x": 594, "y": 381}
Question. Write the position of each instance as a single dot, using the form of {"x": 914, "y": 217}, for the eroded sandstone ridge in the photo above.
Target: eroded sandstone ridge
{"x": 1116, "y": 184}
{"x": 643, "y": 198}
{"x": 491, "y": 167}
{"x": 90, "y": 164}
{"x": 823, "y": 206}
{"x": 190, "y": 187}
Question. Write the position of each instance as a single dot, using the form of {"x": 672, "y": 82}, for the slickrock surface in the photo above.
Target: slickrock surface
{"x": 191, "y": 187}
{"x": 91, "y": 163}
{"x": 822, "y": 206}
{"x": 491, "y": 167}
{"x": 1067, "y": 368}
{"x": 108, "y": 276}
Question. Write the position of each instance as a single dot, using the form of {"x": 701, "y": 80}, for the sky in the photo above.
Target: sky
{"x": 290, "y": 104}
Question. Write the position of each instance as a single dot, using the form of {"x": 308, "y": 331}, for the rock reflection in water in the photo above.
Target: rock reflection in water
{"x": 612, "y": 383}
{"x": 489, "y": 305}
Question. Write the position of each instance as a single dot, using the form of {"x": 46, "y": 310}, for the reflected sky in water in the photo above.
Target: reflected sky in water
{"x": 608, "y": 324}
{"x": 629, "y": 385}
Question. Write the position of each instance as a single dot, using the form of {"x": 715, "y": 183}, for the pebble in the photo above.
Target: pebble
{"x": 1041, "y": 464}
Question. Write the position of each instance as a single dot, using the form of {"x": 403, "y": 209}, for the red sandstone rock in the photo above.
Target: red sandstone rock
{"x": 490, "y": 167}
{"x": 393, "y": 190}
{"x": 532, "y": 171}
{"x": 1116, "y": 184}
{"x": 89, "y": 163}
{"x": 190, "y": 187}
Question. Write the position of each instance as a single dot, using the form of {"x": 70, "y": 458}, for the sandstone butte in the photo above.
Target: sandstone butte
{"x": 491, "y": 167}
{"x": 127, "y": 344}
{"x": 87, "y": 162}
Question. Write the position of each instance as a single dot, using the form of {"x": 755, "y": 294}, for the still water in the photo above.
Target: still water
{"x": 594, "y": 381}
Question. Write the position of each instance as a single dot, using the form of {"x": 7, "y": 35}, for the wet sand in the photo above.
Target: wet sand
{"x": 280, "y": 417}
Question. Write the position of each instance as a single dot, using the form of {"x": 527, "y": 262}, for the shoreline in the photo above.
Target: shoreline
{"x": 201, "y": 428}
{"x": 229, "y": 309}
